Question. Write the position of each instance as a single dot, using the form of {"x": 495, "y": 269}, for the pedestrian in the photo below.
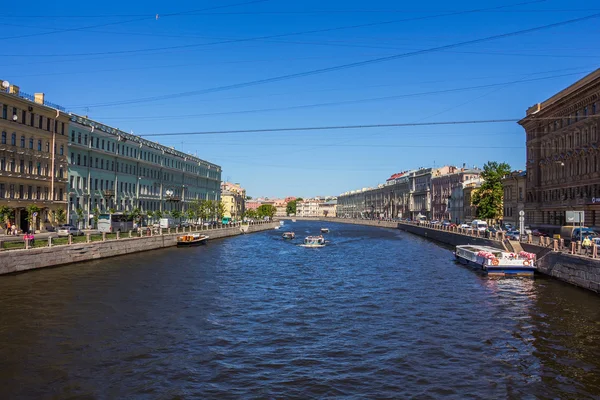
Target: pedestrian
{"x": 587, "y": 243}
{"x": 8, "y": 231}
{"x": 14, "y": 229}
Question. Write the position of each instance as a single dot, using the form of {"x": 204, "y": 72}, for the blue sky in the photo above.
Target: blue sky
{"x": 91, "y": 57}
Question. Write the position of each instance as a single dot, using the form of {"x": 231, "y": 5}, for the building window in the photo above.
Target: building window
{"x": 95, "y": 184}
{"x": 13, "y": 139}
{"x": 78, "y": 159}
{"x": 21, "y": 192}
{"x": 38, "y": 193}
{"x": 96, "y": 162}
{"x": 47, "y": 147}
{"x": 85, "y": 161}
{"x": 30, "y": 169}
{"x": 62, "y": 130}
{"x": 31, "y": 143}
{"x": 48, "y": 124}
{"x": 62, "y": 149}
{"x": 594, "y": 108}
{"x": 39, "y": 168}
{"x": 72, "y": 158}
{"x": 11, "y": 191}
{"x": 3, "y": 137}
{"x": 31, "y": 119}
{"x": 23, "y": 142}
{"x": 73, "y": 136}
{"x": 79, "y": 137}
{"x": 4, "y": 111}
{"x": 85, "y": 140}
{"x": 30, "y": 192}
{"x": 102, "y": 164}
{"x": 39, "y": 147}
{"x": 41, "y": 122}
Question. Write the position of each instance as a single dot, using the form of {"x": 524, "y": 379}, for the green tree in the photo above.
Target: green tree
{"x": 176, "y": 214}
{"x": 136, "y": 214}
{"x": 6, "y": 213}
{"x": 150, "y": 216}
{"x": 79, "y": 213}
{"x": 191, "y": 215}
{"x": 251, "y": 213}
{"x": 61, "y": 216}
{"x": 488, "y": 198}
{"x": 96, "y": 214}
{"x": 112, "y": 210}
{"x": 266, "y": 210}
{"x": 290, "y": 208}
{"x": 220, "y": 210}
{"x": 158, "y": 214}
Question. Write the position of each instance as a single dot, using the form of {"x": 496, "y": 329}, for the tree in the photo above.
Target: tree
{"x": 150, "y": 215}
{"x": 488, "y": 198}
{"x": 248, "y": 197}
{"x": 136, "y": 214}
{"x": 158, "y": 214}
{"x": 61, "y": 216}
{"x": 112, "y": 210}
{"x": 176, "y": 214}
{"x": 266, "y": 210}
{"x": 79, "y": 213}
{"x": 6, "y": 213}
{"x": 96, "y": 214}
{"x": 191, "y": 215}
{"x": 250, "y": 213}
{"x": 290, "y": 208}
{"x": 220, "y": 210}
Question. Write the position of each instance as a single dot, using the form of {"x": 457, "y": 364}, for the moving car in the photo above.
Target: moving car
{"x": 539, "y": 233}
{"x": 513, "y": 235}
{"x": 67, "y": 230}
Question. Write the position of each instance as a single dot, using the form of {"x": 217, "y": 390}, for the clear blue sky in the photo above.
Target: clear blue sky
{"x": 87, "y": 55}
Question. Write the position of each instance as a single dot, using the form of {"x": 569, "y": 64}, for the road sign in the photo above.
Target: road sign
{"x": 35, "y": 214}
{"x": 522, "y": 213}
{"x": 576, "y": 217}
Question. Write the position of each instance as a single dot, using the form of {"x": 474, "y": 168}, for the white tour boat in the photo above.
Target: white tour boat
{"x": 314, "y": 241}
{"x": 324, "y": 230}
{"x": 497, "y": 262}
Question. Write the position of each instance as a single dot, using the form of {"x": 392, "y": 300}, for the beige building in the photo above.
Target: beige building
{"x": 514, "y": 196}
{"x": 33, "y": 161}
{"x": 563, "y": 162}
{"x": 328, "y": 208}
{"x": 308, "y": 207}
{"x": 233, "y": 197}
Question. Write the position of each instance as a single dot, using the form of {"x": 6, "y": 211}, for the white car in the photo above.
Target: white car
{"x": 465, "y": 226}
{"x": 69, "y": 230}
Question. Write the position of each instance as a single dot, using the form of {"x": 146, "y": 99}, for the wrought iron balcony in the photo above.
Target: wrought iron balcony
{"x": 108, "y": 193}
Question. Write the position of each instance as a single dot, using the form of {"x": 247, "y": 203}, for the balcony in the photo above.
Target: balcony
{"x": 108, "y": 193}
{"x": 172, "y": 198}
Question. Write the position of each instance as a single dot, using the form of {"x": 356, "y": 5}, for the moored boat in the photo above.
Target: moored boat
{"x": 324, "y": 230}
{"x": 288, "y": 235}
{"x": 293, "y": 220}
{"x": 314, "y": 241}
{"x": 193, "y": 239}
{"x": 495, "y": 262}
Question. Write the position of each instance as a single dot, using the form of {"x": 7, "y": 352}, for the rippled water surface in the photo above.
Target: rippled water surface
{"x": 376, "y": 314}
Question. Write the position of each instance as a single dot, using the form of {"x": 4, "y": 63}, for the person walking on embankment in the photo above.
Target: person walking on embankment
{"x": 587, "y": 244}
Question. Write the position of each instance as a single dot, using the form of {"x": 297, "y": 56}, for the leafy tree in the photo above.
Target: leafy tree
{"x": 79, "y": 213}
{"x": 220, "y": 210}
{"x": 251, "y": 213}
{"x": 488, "y": 198}
{"x": 158, "y": 214}
{"x": 176, "y": 214}
{"x": 290, "y": 208}
{"x": 299, "y": 199}
{"x": 96, "y": 214}
{"x": 61, "y": 216}
{"x": 150, "y": 215}
{"x": 136, "y": 214}
{"x": 112, "y": 210}
{"x": 6, "y": 213}
{"x": 266, "y": 210}
{"x": 248, "y": 197}
{"x": 191, "y": 214}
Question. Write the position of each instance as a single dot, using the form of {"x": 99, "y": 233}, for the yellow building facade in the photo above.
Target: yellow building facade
{"x": 33, "y": 161}
{"x": 233, "y": 197}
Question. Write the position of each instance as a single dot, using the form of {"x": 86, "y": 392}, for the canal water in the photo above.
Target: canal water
{"x": 376, "y": 314}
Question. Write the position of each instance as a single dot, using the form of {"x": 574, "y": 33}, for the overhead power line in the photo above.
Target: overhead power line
{"x": 346, "y": 66}
{"x": 229, "y": 41}
{"x": 323, "y": 128}
{"x": 147, "y": 17}
{"x": 346, "y": 102}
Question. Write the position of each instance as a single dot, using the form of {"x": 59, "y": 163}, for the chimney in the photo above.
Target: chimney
{"x": 14, "y": 89}
{"x": 39, "y": 98}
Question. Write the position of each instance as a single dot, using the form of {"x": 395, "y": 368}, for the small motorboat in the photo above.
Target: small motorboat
{"x": 288, "y": 235}
{"x": 293, "y": 220}
{"x": 277, "y": 227}
{"x": 314, "y": 241}
{"x": 281, "y": 223}
{"x": 324, "y": 230}
{"x": 194, "y": 239}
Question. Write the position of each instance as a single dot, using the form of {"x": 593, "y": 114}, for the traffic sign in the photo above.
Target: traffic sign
{"x": 35, "y": 214}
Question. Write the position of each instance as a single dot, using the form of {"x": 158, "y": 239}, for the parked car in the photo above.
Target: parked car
{"x": 67, "y": 230}
{"x": 465, "y": 226}
{"x": 446, "y": 223}
{"x": 527, "y": 230}
{"x": 539, "y": 233}
{"x": 513, "y": 235}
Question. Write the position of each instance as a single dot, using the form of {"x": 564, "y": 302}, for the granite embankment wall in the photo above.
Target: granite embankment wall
{"x": 577, "y": 270}
{"x": 23, "y": 260}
